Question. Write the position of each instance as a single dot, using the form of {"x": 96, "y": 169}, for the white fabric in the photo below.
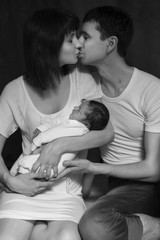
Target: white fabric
{"x": 64, "y": 129}
{"x": 136, "y": 110}
{"x": 63, "y": 201}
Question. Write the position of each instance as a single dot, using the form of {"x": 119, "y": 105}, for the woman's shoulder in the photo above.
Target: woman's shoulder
{"x": 14, "y": 83}
{"x": 13, "y": 88}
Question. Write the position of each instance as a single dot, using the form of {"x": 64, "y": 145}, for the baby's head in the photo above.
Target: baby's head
{"x": 93, "y": 114}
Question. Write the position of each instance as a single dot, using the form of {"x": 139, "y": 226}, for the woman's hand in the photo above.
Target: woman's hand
{"x": 28, "y": 184}
{"x": 48, "y": 160}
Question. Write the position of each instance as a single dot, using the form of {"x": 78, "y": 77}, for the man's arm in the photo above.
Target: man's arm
{"x": 51, "y": 152}
{"x": 147, "y": 170}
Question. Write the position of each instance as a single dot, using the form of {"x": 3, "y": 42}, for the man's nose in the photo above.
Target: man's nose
{"x": 81, "y": 40}
{"x": 77, "y": 43}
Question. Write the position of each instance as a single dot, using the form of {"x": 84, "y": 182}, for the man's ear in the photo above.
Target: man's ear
{"x": 111, "y": 43}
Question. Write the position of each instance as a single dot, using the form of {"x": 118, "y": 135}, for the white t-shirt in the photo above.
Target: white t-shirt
{"x": 132, "y": 113}
{"x": 18, "y": 111}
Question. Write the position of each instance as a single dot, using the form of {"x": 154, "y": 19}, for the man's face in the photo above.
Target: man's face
{"x": 93, "y": 49}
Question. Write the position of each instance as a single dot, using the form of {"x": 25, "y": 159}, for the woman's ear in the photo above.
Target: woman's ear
{"x": 111, "y": 43}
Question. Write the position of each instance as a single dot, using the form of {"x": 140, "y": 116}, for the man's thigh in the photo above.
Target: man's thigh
{"x": 134, "y": 197}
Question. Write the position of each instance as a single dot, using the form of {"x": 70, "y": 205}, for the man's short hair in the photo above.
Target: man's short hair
{"x": 112, "y": 21}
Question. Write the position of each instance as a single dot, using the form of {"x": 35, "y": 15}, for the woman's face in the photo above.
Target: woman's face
{"x": 69, "y": 50}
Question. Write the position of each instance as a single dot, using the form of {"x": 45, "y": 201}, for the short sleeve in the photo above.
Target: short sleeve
{"x": 7, "y": 121}
{"x": 152, "y": 110}
{"x": 88, "y": 87}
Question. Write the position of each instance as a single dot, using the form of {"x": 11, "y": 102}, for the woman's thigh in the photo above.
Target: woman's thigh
{"x": 59, "y": 230}
{"x": 15, "y": 229}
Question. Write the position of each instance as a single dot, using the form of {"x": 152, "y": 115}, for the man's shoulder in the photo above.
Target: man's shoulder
{"x": 145, "y": 76}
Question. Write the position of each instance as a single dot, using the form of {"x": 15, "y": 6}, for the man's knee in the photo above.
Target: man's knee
{"x": 97, "y": 224}
{"x": 86, "y": 228}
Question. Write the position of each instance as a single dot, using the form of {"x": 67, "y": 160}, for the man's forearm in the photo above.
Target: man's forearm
{"x": 139, "y": 171}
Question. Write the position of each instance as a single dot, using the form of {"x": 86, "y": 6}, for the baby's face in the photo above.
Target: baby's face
{"x": 79, "y": 112}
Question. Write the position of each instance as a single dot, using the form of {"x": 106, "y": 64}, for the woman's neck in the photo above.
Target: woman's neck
{"x": 51, "y": 100}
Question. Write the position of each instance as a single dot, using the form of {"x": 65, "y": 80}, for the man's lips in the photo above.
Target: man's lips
{"x": 80, "y": 54}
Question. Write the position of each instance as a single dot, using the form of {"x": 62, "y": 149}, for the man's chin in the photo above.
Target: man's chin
{"x": 83, "y": 61}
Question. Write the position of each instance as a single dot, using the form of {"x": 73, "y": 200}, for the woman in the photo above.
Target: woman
{"x": 47, "y": 92}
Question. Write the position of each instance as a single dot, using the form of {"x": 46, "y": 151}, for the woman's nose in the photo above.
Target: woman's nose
{"x": 77, "y": 43}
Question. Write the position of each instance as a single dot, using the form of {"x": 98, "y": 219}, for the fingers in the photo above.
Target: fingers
{"x": 55, "y": 171}
{"x": 41, "y": 186}
{"x": 65, "y": 172}
{"x": 48, "y": 172}
{"x": 70, "y": 163}
{"x": 44, "y": 170}
{"x": 34, "y": 175}
{"x": 45, "y": 184}
{"x": 37, "y": 151}
{"x": 36, "y": 166}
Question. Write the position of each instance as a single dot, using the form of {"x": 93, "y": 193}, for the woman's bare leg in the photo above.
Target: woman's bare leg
{"x": 59, "y": 230}
{"x": 15, "y": 229}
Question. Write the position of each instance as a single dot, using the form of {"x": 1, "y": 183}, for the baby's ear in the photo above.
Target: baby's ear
{"x": 87, "y": 124}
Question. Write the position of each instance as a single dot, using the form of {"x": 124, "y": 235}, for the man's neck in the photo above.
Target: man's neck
{"x": 115, "y": 76}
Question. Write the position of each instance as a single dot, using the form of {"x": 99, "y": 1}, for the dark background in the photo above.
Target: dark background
{"x": 143, "y": 53}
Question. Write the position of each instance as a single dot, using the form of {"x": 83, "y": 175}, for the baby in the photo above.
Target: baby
{"x": 90, "y": 115}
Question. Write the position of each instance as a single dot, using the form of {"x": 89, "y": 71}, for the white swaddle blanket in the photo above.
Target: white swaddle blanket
{"x": 65, "y": 129}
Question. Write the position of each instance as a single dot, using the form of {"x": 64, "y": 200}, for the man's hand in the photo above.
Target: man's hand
{"x": 48, "y": 160}
{"x": 77, "y": 166}
{"x": 28, "y": 184}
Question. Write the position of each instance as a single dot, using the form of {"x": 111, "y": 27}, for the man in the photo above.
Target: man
{"x": 132, "y": 158}
{"x": 128, "y": 209}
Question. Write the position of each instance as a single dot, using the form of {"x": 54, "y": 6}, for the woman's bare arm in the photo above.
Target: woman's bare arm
{"x": 27, "y": 184}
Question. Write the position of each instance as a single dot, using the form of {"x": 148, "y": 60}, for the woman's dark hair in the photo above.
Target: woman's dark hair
{"x": 43, "y": 36}
{"x": 98, "y": 116}
{"x": 113, "y": 21}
